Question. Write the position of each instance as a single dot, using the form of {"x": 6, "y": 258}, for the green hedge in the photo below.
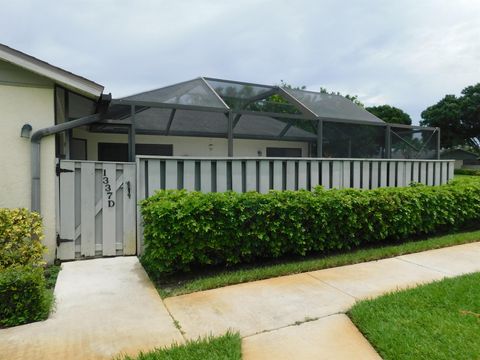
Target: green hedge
{"x": 185, "y": 229}
{"x": 23, "y": 294}
{"x": 467, "y": 172}
{"x": 23, "y": 297}
{"x": 20, "y": 238}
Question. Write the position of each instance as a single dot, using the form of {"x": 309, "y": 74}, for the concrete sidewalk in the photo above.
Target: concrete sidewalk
{"x": 103, "y": 307}
{"x": 109, "y": 306}
{"x": 292, "y": 314}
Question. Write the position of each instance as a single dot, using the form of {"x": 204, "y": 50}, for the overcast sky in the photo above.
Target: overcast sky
{"x": 404, "y": 53}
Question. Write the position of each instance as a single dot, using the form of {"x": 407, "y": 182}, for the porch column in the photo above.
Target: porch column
{"x": 131, "y": 135}
{"x": 230, "y": 134}
{"x": 320, "y": 138}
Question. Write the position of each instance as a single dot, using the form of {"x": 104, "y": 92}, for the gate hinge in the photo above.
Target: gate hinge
{"x": 60, "y": 240}
{"x": 59, "y": 170}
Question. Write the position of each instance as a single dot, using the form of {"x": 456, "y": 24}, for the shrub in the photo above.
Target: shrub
{"x": 467, "y": 172}
{"x": 20, "y": 237}
{"x": 184, "y": 229}
{"x": 23, "y": 294}
{"x": 23, "y": 297}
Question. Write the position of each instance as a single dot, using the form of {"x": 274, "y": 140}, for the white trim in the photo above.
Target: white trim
{"x": 62, "y": 77}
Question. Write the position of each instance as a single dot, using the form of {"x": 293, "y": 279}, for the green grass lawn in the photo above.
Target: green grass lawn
{"x": 51, "y": 274}
{"x": 436, "y": 321}
{"x": 178, "y": 285}
{"x": 226, "y": 347}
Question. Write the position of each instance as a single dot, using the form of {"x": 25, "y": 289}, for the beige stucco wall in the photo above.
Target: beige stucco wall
{"x": 34, "y": 105}
{"x": 189, "y": 146}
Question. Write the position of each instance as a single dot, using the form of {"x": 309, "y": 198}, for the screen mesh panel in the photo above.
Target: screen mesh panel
{"x": 353, "y": 140}
{"x": 331, "y": 106}
{"x": 194, "y": 92}
{"x": 413, "y": 143}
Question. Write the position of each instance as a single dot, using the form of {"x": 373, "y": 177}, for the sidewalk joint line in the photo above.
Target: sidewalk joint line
{"x": 334, "y": 287}
{"x": 425, "y": 267}
{"x": 176, "y": 323}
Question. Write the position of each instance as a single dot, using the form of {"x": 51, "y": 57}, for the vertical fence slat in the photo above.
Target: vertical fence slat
{"x": 153, "y": 176}
{"x": 400, "y": 173}
{"x": 251, "y": 181}
{"x": 66, "y": 251}
{"x": 129, "y": 207}
{"x": 205, "y": 176}
{"x": 171, "y": 174}
{"x": 326, "y": 174}
{"x": 109, "y": 185}
{"x": 264, "y": 176}
{"x": 189, "y": 175}
{"x": 302, "y": 175}
{"x": 374, "y": 174}
{"x": 314, "y": 174}
{"x": 444, "y": 173}
{"x": 416, "y": 172}
{"x": 438, "y": 175}
{"x": 87, "y": 225}
{"x": 356, "y": 174}
{"x": 141, "y": 194}
{"x": 346, "y": 174}
{"x": 392, "y": 173}
{"x": 451, "y": 169}
{"x": 408, "y": 173}
{"x": 237, "y": 175}
{"x": 430, "y": 173}
{"x": 423, "y": 173}
{"x": 221, "y": 176}
{"x": 277, "y": 175}
{"x": 383, "y": 173}
{"x": 366, "y": 175}
{"x": 290, "y": 175}
{"x": 336, "y": 174}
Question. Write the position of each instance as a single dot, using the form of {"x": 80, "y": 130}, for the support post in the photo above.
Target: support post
{"x": 320, "y": 139}
{"x": 438, "y": 144}
{"x": 230, "y": 134}
{"x": 388, "y": 142}
{"x": 131, "y": 136}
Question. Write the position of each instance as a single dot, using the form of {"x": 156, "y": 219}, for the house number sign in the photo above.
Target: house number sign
{"x": 108, "y": 189}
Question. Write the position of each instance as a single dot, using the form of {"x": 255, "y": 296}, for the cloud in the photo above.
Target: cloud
{"x": 408, "y": 54}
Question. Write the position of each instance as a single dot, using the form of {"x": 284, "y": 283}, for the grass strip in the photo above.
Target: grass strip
{"x": 437, "y": 321}
{"x": 178, "y": 286}
{"x": 226, "y": 347}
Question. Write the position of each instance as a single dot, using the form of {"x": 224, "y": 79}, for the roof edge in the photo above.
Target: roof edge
{"x": 63, "y": 77}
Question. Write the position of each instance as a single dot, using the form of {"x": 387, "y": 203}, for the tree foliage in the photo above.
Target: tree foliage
{"x": 458, "y": 117}
{"x": 390, "y": 114}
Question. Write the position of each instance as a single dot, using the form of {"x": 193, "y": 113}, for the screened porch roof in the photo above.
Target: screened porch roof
{"x": 200, "y": 107}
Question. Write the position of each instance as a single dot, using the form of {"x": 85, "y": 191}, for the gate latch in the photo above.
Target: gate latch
{"x": 60, "y": 240}
{"x": 59, "y": 170}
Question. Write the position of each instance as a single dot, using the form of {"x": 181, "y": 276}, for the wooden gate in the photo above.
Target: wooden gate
{"x": 97, "y": 209}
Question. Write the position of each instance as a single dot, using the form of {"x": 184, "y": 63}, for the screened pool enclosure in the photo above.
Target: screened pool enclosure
{"x": 330, "y": 126}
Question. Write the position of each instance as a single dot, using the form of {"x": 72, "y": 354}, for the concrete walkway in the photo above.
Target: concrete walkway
{"x": 108, "y": 306}
{"x": 301, "y": 316}
{"x": 103, "y": 307}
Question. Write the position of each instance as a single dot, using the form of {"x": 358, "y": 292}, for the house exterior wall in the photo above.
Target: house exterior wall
{"x": 189, "y": 146}
{"x": 24, "y": 102}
